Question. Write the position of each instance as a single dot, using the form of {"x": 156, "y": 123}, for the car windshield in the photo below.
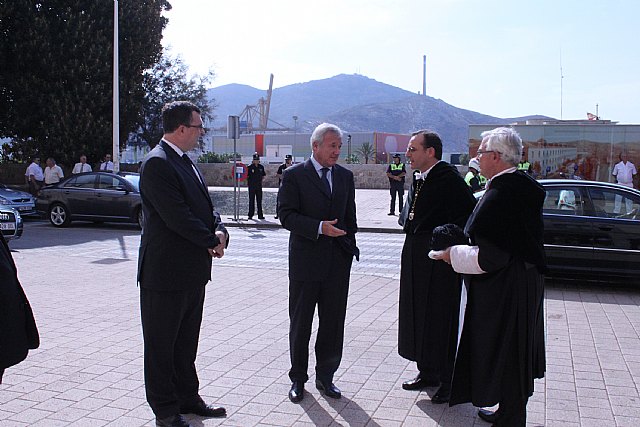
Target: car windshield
{"x": 134, "y": 180}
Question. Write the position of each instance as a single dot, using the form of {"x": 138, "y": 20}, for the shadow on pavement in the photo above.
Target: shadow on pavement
{"x": 41, "y": 234}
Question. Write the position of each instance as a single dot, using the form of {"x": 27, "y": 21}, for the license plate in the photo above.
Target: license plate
{"x": 7, "y": 226}
{"x": 24, "y": 208}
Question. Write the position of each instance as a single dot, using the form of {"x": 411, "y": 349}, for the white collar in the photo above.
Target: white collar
{"x": 503, "y": 172}
{"x": 423, "y": 175}
{"x": 175, "y": 147}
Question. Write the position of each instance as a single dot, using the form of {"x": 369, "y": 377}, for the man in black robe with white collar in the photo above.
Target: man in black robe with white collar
{"x": 501, "y": 349}
{"x": 430, "y": 290}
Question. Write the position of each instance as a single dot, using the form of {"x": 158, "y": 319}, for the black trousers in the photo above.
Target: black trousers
{"x": 399, "y": 190}
{"x": 171, "y": 329}
{"x": 512, "y": 411}
{"x": 331, "y": 297}
{"x": 255, "y": 197}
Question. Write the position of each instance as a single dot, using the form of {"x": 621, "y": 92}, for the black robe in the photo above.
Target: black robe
{"x": 504, "y": 315}
{"x": 430, "y": 290}
{"x": 18, "y": 332}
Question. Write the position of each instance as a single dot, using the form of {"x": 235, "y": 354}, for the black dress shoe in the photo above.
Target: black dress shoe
{"x": 172, "y": 421}
{"x": 204, "y": 410}
{"x": 260, "y": 217}
{"x": 329, "y": 389}
{"x": 418, "y": 383}
{"x": 297, "y": 392}
{"x": 487, "y": 415}
{"x": 442, "y": 395}
{"x": 391, "y": 213}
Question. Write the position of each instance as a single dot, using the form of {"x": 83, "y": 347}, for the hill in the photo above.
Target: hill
{"x": 355, "y": 103}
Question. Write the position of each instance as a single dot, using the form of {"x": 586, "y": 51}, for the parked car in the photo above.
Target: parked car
{"x": 10, "y": 223}
{"x": 21, "y": 201}
{"x": 92, "y": 196}
{"x": 591, "y": 229}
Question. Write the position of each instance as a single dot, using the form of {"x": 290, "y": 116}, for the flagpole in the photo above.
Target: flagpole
{"x": 116, "y": 93}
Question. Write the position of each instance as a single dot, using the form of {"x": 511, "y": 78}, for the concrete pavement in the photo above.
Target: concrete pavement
{"x": 88, "y": 370}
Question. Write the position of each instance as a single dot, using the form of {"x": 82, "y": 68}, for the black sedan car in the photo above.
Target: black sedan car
{"x": 591, "y": 229}
{"x": 92, "y": 196}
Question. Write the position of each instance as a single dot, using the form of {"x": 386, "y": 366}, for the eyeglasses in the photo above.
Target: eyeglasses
{"x": 481, "y": 152}
{"x": 200, "y": 126}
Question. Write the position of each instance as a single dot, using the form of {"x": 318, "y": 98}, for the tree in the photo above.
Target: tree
{"x": 366, "y": 151}
{"x": 168, "y": 81}
{"x": 56, "y": 73}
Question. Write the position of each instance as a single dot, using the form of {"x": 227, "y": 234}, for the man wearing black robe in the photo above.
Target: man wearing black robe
{"x": 430, "y": 290}
{"x": 501, "y": 348}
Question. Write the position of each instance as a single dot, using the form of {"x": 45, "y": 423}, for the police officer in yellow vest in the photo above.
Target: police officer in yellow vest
{"x": 396, "y": 173}
{"x": 473, "y": 178}
{"x": 524, "y": 166}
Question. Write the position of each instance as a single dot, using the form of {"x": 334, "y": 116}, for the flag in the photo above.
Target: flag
{"x": 592, "y": 117}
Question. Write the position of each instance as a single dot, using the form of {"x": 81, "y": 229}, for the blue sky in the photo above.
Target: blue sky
{"x": 496, "y": 57}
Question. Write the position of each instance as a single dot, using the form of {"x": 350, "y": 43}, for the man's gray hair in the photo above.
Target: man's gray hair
{"x": 505, "y": 141}
{"x": 321, "y": 130}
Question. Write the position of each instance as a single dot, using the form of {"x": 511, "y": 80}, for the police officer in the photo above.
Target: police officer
{"x": 473, "y": 177}
{"x": 255, "y": 176}
{"x": 524, "y": 166}
{"x": 287, "y": 162}
{"x": 396, "y": 173}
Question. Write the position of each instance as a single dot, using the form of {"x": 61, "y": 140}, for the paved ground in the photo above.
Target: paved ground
{"x": 88, "y": 370}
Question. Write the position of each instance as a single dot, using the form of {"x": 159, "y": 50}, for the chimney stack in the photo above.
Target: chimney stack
{"x": 424, "y": 75}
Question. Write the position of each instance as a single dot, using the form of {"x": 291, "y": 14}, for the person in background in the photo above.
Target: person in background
{"x": 429, "y": 303}
{"x": 472, "y": 178}
{"x": 255, "y": 176}
{"x": 396, "y": 173}
{"x": 81, "y": 166}
{"x": 34, "y": 176}
{"x": 624, "y": 172}
{"x": 52, "y": 173}
{"x": 287, "y": 162}
{"x": 317, "y": 206}
{"x": 501, "y": 348}
{"x": 107, "y": 164}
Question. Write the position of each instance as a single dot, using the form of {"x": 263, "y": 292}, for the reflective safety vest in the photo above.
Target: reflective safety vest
{"x": 482, "y": 180}
{"x": 524, "y": 166}
{"x": 397, "y": 167}
{"x": 468, "y": 177}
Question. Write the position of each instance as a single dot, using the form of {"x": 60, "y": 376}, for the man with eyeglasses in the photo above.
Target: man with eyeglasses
{"x": 430, "y": 290}
{"x": 501, "y": 348}
{"x": 180, "y": 236}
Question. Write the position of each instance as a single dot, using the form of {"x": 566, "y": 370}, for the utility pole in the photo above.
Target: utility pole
{"x": 116, "y": 93}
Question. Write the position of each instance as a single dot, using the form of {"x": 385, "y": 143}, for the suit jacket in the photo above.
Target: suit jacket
{"x": 18, "y": 331}
{"x": 179, "y": 224}
{"x": 303, "y": 202}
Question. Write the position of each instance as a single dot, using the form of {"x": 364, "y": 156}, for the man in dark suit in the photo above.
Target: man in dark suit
{"x": 317, "y": 205}
{"x": 181, "y": 234}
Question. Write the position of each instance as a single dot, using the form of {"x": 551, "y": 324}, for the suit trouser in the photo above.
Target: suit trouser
{"x": 399, "y": 190}
{"x": 171, "y": 329}
{"x": 255, "y": 197}
{"x": 331, "y": 297}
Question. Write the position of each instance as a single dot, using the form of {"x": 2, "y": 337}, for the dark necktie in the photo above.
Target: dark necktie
{"x": 325, "y": 179}
{"x": 188, "y": 161}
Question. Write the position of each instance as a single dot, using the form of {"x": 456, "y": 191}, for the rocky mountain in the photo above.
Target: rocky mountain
{"x": 355, "y": 103}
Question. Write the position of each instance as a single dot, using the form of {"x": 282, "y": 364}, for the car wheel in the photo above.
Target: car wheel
{"x": 59, "y": 215}
{"x": 140, "y": 217}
